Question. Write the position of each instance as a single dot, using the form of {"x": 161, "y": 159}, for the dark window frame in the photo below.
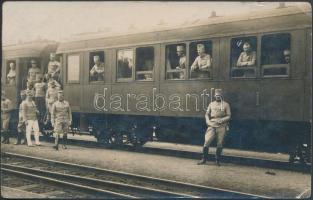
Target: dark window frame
{"x": 279, "y": 65}
{"x": 130, "y": 79}
{"x": 257, "y": 62}
{"x": 152, "y": 72}
{"x": 89, "y": 67}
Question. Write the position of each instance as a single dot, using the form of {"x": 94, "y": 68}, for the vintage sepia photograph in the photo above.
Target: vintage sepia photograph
{"x": 156, "y": 100}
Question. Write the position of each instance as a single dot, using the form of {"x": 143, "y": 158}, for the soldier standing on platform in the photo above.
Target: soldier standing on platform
{"x": 6, "y": 108}
{"x": 29, "y": 114}
{"x": 217, "y": 117}
{"x": 21, "y": 129}
{"x": 61, "y": 119}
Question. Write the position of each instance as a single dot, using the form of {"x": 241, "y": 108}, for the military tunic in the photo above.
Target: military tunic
{"x": 202, "y": 64}
{"x": 219, "y": 114}
{"x": 6, "y": 107}
{"x": 33, "y": 72}
{"x": 246, "y": 59}
{"x": 51, "y": 97}
{"x": 61, "y": 117}
{"x": 97, "y": 72}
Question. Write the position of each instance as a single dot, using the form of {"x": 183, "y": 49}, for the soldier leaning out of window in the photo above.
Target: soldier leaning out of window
{"x": 286, "y": 53}
{"x": 97, "y": 71}
{"x": 202, "y": 63}
{"x": 247, "y": 57}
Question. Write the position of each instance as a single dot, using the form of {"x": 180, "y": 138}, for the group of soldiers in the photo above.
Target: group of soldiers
{"x": 42, "y": 102}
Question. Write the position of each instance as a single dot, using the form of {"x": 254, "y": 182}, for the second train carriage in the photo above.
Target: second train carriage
{"x": 271, "y": 101}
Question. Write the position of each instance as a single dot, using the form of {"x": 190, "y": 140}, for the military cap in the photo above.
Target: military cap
{"x": 180, "y": 48}
{"x": 12, "y": 64}
{"x": 60, "y": 92}
{"x": 286, "y": 52}
{"x": 200, "y": 46}
{"x": 33, "y": 61}
{"x": 52, "y": 54}
{"x": 218, "y": 92}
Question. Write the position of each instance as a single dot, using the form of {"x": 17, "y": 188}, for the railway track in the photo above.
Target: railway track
{"x": 107, "y": 183}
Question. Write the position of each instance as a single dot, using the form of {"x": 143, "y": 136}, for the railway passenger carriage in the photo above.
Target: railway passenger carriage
{"x": 270, "y": 101}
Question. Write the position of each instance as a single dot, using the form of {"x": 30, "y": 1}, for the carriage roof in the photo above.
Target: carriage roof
{"x": 290, "y": 17}
{"x": 29, "y": 49}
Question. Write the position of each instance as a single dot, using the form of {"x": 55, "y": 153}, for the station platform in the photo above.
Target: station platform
{"x": 267, "y": 182}
{"x": 236, "y": 156}
{"x": 244, "y": 157}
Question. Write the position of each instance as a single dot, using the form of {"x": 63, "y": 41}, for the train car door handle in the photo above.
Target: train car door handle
{"x": 257, "y": 103}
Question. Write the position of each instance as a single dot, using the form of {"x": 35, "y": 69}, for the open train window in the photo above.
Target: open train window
{"x": 96, "y": 66}
{"x": 176, "y": 61}
{"x": 11, "y": 72}
{"x": 243, "y": 57}
{"x": 73, "y": 71}
{"x": 125, "y": 63}
{"x": 200, "y": 56}
{"x": 275, "y": 54}
{"x": 144, "y": 63}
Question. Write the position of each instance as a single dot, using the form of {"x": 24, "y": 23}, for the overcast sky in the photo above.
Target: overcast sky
{"x": 27, "y": 21}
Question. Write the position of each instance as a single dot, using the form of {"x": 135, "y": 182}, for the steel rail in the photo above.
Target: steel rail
{"x": 74, "y": 186}
{"x": 97, "y": 183}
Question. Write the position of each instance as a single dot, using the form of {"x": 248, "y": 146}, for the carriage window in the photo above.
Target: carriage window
{"x": 176, "y": 61}
{"x": 124, "y": 64}
{"x": 243, "y": 57}
{"x": 11, "y": 72}
{"x": 73, "y": 68}
{"x": 144, "y": 63}
{"x": 200, "y": 55}
{"x": 96, "y": 66}
{"x": 276, "y": 54}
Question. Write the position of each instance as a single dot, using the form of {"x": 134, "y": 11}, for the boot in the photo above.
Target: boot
{"x": 218, "y": 155}
{"x": 205, "y": 151}
{"x": 23, "y": 138}
{"x": 56, "y": 146}
{"x": 64, "y": 142}
{"x": 18, "y": 138}
{"x": 6, "y": 137}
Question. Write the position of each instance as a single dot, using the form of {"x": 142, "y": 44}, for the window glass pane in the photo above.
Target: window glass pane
{"x": 200, "y": 56}
{"x": 124, "y": 63}
{"x": 73, "y": 68}
{"x": 96, "y": 66}
{"x": 11, "y": 72}
{"x": 144, "y": 63}
{"x": 243, "y": 57}
{"x": 176, "y": 61}
{"x": 276, "y": 49}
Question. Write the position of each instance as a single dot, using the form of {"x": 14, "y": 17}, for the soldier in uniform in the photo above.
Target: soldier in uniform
{"x": 217, "y": 117}
{"x": 286, "y": 53}
{"x": 247, "y": 58}
{"x": 182, "y": 60}
{"x": 51, "y": 96}
{"x": 33, "y": 72}
{"x": 97, "y": 71}
{"x": 40, "y": 93}
{"x": 6, "y": 108}
{"x": 29, "y": 116}
{"x": 21, "y": 129}
{"x": 61, "y": 119}
{"x": 12, "y": 74}
{"x": 54, "y": 68}
{"x": 202, "y": 63}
